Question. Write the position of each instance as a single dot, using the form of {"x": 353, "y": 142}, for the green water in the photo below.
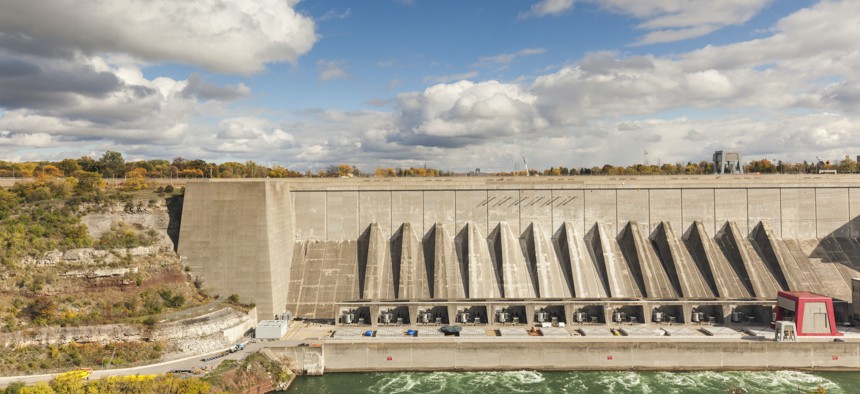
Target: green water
{"x": 581, "y": 382}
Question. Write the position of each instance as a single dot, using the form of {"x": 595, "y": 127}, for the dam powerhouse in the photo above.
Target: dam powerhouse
{"x": 477, "y": 249}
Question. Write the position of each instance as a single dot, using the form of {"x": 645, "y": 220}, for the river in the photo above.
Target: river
{"x": 580, "y": 382}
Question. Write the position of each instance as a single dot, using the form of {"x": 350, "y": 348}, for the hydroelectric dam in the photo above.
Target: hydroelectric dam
{"x": 322, "y": 248}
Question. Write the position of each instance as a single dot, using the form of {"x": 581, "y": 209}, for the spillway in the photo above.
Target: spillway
{"x": 308, "y": 245}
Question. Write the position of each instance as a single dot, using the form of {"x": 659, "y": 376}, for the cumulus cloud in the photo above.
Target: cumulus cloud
{"x": 547, "y": 7}
{"x": 238, "y": 37}
{"x": 450, "y": 77}
{"x": 88, "y": 98}
{"x": 250, "y": 134}
{"x": 506, "y": 58}
{"x": 334, "y": 14}
{"x": 331, "y": 69}
{"x": 674, "y": 20}
{"x": 30, "y": 140}
{"x": 790, "y": 94}
{"x": 33, "y": 82}
{"x": 197, "y": 87}
{"x": 666, "y": 20}
{"x": 392, "y": 84}
{"x": 745, "y": 93}
{"x": 465, "y": 113}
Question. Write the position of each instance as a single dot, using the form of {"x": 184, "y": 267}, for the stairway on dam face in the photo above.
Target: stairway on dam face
{"x": 536, "y": 264}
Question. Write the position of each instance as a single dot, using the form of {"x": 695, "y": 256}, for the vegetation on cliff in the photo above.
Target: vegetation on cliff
{"x": 25, "y": 360}
{"x": 43, "y": 218}
{"x": 162, "y": 384}
{"x": 256, "y": 373}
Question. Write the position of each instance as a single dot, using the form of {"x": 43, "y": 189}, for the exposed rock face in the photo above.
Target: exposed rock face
{"x": 155, "y": 217}
{"x": 62, "y": 335}
{"x": 101, "y": 272}
{"x": 90, "y": 256}
{"x": 194, "y": 335}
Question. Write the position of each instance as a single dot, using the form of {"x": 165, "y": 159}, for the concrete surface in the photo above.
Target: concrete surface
{"x": 237, "y": 238}
{"x": 566, "y": 354}
{"x": 307, "y": 244}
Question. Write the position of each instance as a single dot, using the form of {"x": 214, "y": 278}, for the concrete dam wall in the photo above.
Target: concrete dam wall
{"x": 307, "y": 245}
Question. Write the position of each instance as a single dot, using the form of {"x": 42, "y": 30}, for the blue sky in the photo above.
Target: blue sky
{"x": 453, "y": 84}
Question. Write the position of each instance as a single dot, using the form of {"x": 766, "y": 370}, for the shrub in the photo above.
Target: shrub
{"x": 171, "y": 300}
{"x": 122, "y": 235}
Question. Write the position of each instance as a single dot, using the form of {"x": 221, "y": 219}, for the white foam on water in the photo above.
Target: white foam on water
{"x": 623, "y": 382}
{"x": 573, "y": 383}
{"x": 512, "y": 381}
{"x": 601, "y": 382}
{"x": 751, "y": 382}
{"x": 790, "y": 380}
{"x": 395, "y": 383}
{"x": 684, "y": 382}
{"x": 440, "y": 382}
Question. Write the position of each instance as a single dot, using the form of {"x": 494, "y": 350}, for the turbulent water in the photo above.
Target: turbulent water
{"x": 581, "y": 382}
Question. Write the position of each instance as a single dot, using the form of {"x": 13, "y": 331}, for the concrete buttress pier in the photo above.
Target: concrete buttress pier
{"x": 238, "y": 237}
{"x": 310, "y": 245}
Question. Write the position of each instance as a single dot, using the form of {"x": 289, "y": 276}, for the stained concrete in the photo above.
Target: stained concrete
{"x": 376, "y": 267}
{"x": 685, "y": 274}
{"x": 588, "y": 279}
{"x": 413, "y": 282}
{"x": 548, "y": 269}
{"x": 596, "y": 354}
{"x": 239, "y": 239}
{"x": 483, "y": 281}
{"x": 448, "y": 275}
{"x": 305, "y": 244}
{"x": 518, "y": 278}
{"x": 759, "y": 279}
{"x": 723, "y": 278}
{"x": 647, "y": 269}
{"x": 605, "y": 251}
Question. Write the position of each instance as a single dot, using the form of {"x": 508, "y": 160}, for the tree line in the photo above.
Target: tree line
{"x": 762, "y": 166}
{"x": 112, "y": 165}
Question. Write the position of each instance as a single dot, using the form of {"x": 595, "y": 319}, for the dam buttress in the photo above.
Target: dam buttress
{"x": 313, "y": 246}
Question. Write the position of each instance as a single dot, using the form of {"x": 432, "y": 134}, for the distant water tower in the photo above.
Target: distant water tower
{"x": 727, "y": 162}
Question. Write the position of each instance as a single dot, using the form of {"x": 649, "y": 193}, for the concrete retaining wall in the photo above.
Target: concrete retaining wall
{"x": 572, "y": 355}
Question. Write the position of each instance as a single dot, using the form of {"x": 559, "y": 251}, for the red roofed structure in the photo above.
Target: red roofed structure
{"x": 812, "y": 313}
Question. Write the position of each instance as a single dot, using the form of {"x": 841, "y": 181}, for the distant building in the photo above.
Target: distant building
{"x": 727, "y": 162}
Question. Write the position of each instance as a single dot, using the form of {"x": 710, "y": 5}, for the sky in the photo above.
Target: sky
{"x": 455, "y": 85}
